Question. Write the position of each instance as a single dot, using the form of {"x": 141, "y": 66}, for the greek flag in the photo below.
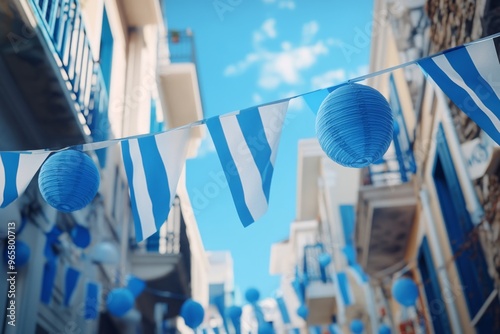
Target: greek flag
{"x": 16, "y": 171}
{"x": 247, "y": 143}
{"x": 470, "y": 76}
{"x": 153, "y": 165}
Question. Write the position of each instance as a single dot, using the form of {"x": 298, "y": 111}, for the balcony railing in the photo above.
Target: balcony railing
{"x": 62, "y": 25}
{"x": 181, "y": 46}
{"x": 311, "y": 265}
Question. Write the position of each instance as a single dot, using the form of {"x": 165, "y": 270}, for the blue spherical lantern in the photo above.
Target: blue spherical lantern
{"x": 357, "y": 326}
{"x": 252, "y": 295}
{"x": 384, "y": 329}
{"x": 354, "y": 125}
{"x": 324, "y": 259}
{"x": 303, "y": 311}
{"x": 21, "y": 251}
{"x": 135, "y": 285}
{"x": 68, "y": 180}
{"x": 405, "y": 291}
{"x": 80, "y": 236}
{"x": 119, "y": 302}
{"x": 193, "y": 313}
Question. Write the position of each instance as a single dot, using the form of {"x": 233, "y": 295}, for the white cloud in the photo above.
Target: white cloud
{"x": 257, "y": 99}
{"x": 309, "y": 30}
{"x": 328, "y": 79}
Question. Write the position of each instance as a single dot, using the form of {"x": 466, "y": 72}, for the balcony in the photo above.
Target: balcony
{"x": 163, "y": 261}
{"x": 320, "y": 295}
{"x": 178, "y": 80}
{"x": 54, "y": 92}
{"x": 141, "y": 13}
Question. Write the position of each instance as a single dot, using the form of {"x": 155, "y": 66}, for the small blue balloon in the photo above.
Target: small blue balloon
{"x": 19, "y": 252}
{"x": 324, "y": 259}
{"x": 266, "y": 328}
{"x": 234, "y": 312}
{"x": 384, "y": 329}
{"x": 80, "y": 236}
{"x": 252, "y": 295}
{"x": 405, "y": 291}
{"x": 135, "y": 285}
{"x": 357, "y": 326}
{"x": 193, "y": 313}
{"x": 303, "y": 311}
{"x": 119, "y": 302}
{"x": 69, "y": 180}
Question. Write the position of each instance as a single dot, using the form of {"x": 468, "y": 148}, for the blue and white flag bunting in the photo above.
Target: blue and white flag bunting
{"x": 48, "y": 279}
{"x": 92, "y": 294}
{"x": 283, "y": 310}
{"x": 345, "y": 288}
{"x": 153, "y": 165}
{"x": 70, "y": 283}
{"x": 470, "y": 76}
{"x": 16, "y": 171}
{"x": 247, "y": 143}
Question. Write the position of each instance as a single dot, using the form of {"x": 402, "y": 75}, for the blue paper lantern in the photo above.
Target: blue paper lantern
{"x": 303, "y": 311}
{"x": 354, "y": 125}
{"x": 324, "y": 259}
{"x": 119, "y": 302}
{"x": 405, "y": 291}
{"x": 384, "y": 329}
{"x": 193, "y": 313}
{"x": 22, "y": 253}
{"x": 135, "y": 285}
{"x": 80, "y": 236}
{"x": 357, "y": 326}
{"x": 68, "y": 180}
{"x": 252, "y": 295}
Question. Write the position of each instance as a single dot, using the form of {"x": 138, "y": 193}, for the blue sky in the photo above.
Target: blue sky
{"x": 252, "y": 52}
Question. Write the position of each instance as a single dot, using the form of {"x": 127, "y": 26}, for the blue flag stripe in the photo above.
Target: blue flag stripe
{"x": 49, "y": 277}
{"x": 251, "y": 124}
{"x": 228, "y": 165}
{"x": 344, "y": 287}
{"x": 462, "y": 62}
{"x": 283, "y": 310}
{"x": 459, "y": 96}
{"x": 156, "y": 179}
{"x": 91, "y": 299}
{"x": 11, "y": 164}
{"x": 129, "y": 170}
{"x": 71, "y": 281}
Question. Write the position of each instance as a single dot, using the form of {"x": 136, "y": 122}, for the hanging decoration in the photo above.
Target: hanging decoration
{"x": 48, "y": 279}
{"x": 354, "y": 125}
{"x": 80, "y": 236}
{"x": 193, "y": 313}
{"x": 252, "y": 295}
{"x": 119, "y": 302}
{"x": 135, "y": 285}
{"x": 357, "y": 326}
{"x": 92, "y": 297}
{"x": 324, "y": 259}
{"x": 384, "y": 329}
{"x": 70, "y": 283}
{"x": 405, "y": 291}
{"x": 69, "y": 180}
{"x": 303, "y": 311}
{"x": 105, "y": 252}
{"x": 266, "y": 328}
{"x": 234, "y": 314}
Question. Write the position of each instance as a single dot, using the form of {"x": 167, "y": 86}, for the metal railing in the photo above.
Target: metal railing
{"x": 181, "y": 46}
{"x": 311, "y": 265}
{"x": 62, "y": 25}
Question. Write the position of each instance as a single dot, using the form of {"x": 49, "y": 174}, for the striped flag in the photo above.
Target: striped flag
{"x": 470, "y": 76}
{"x": 247, "y": 143}
{"x": 70, "y": 283}
{"x": 153, "y": 165}
{"x": 92, "y": 295}
{"x": 16, "y": 171}
{"x": 345, "y": 288}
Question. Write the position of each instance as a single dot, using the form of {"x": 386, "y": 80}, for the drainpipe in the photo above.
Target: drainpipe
{"x": 439, "y": 259}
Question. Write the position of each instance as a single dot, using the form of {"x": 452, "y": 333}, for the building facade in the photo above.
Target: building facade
{"x": 428, "y": 213}
{"x": 74, "y": 72}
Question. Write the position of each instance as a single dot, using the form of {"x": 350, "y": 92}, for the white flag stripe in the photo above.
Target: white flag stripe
{"x": 172, "y": 147}
{"x": 444, "y": 64}
{"x": 273, "y": 117}
{"x": 484, "y": 56}
{"x": 144, "y": 204}
{"x": 248, "y": 171}
{"x": 28, "y": 166}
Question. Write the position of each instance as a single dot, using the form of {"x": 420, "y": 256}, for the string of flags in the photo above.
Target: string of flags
{"x": 247, "y": 142}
